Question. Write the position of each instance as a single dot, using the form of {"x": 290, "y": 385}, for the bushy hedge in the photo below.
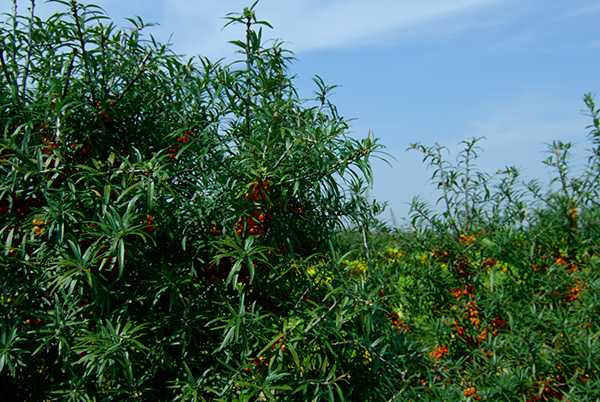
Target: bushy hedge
{"x": 168, "y": 228}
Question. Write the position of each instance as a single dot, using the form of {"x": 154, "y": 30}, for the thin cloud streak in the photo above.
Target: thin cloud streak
{"x": 345, "y": 24}
{"x": 196, "y": 27}
{"x": 534, "y": 117}
{"x": 312, "y": 25}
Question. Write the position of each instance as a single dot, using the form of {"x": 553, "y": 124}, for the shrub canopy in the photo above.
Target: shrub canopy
{"x": 169, "y": 227}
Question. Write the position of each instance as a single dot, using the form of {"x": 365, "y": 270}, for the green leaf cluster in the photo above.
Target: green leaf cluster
{"x": 169, "y": 227}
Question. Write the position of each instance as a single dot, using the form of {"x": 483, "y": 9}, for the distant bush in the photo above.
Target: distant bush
{"x": 502, "y": 286}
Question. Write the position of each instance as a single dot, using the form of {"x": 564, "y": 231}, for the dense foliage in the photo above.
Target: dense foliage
{"x": 178, "y": 230}
{"x": 169, "y": 228}
{"x": 502, "y": 284}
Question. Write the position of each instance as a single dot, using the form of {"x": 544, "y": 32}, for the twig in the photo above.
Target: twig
{"x": 377, "y": 355}
{"x": 311, "y": 326}
{"x": 69, "y": 70}
{"x": 283, "y": 155}
{"x": 84, "y": 54}
{"x": 26, "y": 68}
{"x": 137, "y": 76}
{"x": 4, "y": 69}
{"x": 300, "y": 299}
{"x": 561, "y": 169}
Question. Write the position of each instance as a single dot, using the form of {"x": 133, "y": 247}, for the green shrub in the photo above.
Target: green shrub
{"x": 169, "y": 228}
{"x": 502, "y": 285}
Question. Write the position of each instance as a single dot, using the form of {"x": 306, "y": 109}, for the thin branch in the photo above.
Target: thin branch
{"x": 69, "y": 70}
{"x": 311, "y": 326}
{"x": 319, "y": 109}
{"x": 141, "y": 71}
{"x": 588, "y": 184}
{"x": 300, "y": 299}
{"x": 283, "y": 155}
{"x": 9, "y": 79}
{"x": 377, "y": 355}
{"x": 444, "y": 184}
{"x": 232, "y": 89}
{"x": 223, "y": 165}
{"x": 84, "y": 53}
{"x": 467, "y": 171}
{"x": 561, "y": 171}
{"x": 29, "y": 48}
{"x": 14, "y": 41}
{"x": 248, "y": 70}
{"x": 4, "y": 68}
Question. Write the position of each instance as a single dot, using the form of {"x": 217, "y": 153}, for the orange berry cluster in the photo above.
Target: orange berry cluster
{"x": 174, "y": 149}
{"x": 571, "y": 268}
{"x": 107, "y": 118}
{"x": 38, "y": 225}
{"x": 439, "y": 353}
{"x": 256, "y": 222}
{"x": 261, "y": 362}
{"x": 547, "y": 389}
{"x": 35, "y": 321}
{"x": 461, "y": 264}
{"x": 467, "y": 240}
{"x": 479, "y": 328}
{"x": 472, "y": 392}
{"x": 279, "y": 344}
{"x": 149, "y": 224}
{"x": 258, "y": 191}
{"x": 397, "y": 322}
{"x": 573, "y": 218}
{"x": 481, "y": 332}
{"x": 574, "y": 292}
{"x": 82, "y": 149}
{"x": 473, "y": 313}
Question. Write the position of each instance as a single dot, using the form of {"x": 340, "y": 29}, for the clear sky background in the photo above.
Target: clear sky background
{"x": 514, "y": 71}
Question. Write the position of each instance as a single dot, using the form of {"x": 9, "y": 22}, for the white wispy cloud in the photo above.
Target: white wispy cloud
{"x": 519, "y": 130}
{"x": 540, "y": 116}
{"x": 314, "y": 24}
{"x": 550, "y": 29}
{"x": 310, "y": 24}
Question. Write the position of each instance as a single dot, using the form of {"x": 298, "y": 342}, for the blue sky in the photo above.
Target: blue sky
{"x": 514, "y": 71}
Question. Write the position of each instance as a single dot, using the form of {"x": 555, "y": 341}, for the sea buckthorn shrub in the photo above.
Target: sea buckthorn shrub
{"x": 169, "y": 229}
{"x": 501, "y": 283}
